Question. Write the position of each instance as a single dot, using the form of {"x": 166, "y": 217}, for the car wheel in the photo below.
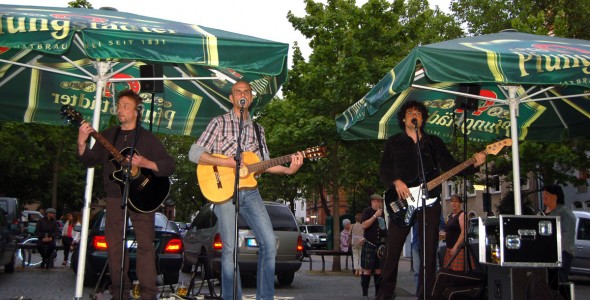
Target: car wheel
{"x": 9, "y": 267}
{"x": 286, "y": 278}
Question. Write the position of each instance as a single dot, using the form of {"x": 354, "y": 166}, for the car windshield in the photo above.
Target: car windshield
{"x": 316, "y": 229}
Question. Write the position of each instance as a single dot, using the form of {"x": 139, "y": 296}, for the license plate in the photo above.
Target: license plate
{"x": 251, "y": 242}
{"x": 322, "y": 239}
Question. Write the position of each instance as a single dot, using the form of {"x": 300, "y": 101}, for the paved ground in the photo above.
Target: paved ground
{"x": 59, "y": 283}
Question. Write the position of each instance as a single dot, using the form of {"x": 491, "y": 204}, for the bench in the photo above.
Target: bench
{"x": 323, "y": 253}
{"x": 30, "y": 247}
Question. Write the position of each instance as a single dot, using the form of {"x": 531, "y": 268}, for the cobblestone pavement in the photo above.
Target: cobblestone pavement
{"x": 60, "y": 283}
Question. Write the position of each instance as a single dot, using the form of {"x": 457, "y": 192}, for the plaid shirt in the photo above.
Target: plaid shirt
{"x": 220, "y": 136}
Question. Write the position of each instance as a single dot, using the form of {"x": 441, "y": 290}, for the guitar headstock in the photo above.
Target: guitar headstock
{"x": 71, "y": 115}
{"x": 315, "y": 153}
{"x": 496, "y": 147}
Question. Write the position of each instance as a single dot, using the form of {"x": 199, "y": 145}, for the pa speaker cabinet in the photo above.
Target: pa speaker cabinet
{"x": 152, "y": 85}
{"x": 511, "y": 240}
{"x": 508, "y": 283}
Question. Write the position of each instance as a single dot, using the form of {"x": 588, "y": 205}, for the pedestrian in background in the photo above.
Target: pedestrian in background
{"x": 357, "y": 242}
{"x": 345, "y": 236}
{"x": 76, "y": 233}
{"x": 46, "y": 232}
{"x": 554, "y": 200}
{"x": 374, "y": 237}
{"x": 66, "y": 236}
{"x": 455, "y": 237}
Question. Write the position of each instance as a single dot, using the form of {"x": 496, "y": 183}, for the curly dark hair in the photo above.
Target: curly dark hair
{"x": 401, "y": 113}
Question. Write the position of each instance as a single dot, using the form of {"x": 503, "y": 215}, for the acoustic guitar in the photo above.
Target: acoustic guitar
{"x": 217, "y": 182}
{"x": 402, "y": 211}
{"x": 147, "y": 191}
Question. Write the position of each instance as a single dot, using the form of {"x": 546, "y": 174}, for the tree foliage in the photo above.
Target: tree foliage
{"x": 564, "y": 18}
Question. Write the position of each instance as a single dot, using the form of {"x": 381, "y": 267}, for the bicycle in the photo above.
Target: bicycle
{"x": 28, "y": 253}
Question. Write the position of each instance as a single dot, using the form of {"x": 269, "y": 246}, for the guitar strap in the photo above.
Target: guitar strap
{"x": 257, "y": 129}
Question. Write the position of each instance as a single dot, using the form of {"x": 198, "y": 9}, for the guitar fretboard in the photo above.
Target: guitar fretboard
{"x": 450, "y": 173}
{"x": 263, "y": 165}
{"x": 107, "y": 145}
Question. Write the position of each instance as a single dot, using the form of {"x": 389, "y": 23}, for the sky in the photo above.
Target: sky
{"x": 265, "y": 19}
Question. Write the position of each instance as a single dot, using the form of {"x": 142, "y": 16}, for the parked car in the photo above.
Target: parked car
{"x": 8, "y": 232}
{"x": 168, "y": 245}
{"x": 581, "y": 262}
{"x": 182, "y": 227}
{"x": 315, "y": 235}
{"x": 29, "y": 218}
{"x": 11, "y": 208}
{"x": 203, "y": 239}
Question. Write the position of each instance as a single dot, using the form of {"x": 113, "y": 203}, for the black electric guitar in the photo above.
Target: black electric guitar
{"x": 147, "y": 191}
{"x": 402, "y": 211}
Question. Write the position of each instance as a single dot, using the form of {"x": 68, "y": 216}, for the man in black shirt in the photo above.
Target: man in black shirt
{"x": 374, "y": 236}
{"x": 46, "y": 232}
{"x": 400, "y": 170}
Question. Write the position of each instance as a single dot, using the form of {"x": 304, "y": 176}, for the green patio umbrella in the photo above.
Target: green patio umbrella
{"x": 53, "y": 56}
{"x": 526, "y": 86}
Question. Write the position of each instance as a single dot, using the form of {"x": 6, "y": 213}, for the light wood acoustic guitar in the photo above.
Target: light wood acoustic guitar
{"x": 217, "y": 182}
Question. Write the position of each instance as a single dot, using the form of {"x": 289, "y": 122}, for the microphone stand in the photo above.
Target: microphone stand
{"x": 236, "y": 200}
{"x": 423, "y": 197}
{"x": 127, "y": 174}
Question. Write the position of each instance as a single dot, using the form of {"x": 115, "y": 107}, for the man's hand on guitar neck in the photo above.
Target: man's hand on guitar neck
{"x": 84, "y": 132}
{"x": 296, "y": 163}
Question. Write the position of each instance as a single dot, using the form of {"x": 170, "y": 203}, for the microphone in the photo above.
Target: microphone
{"x": 415, "y": 122}
{"x": 242, "y": 102}
{"x": 139, "y": 107}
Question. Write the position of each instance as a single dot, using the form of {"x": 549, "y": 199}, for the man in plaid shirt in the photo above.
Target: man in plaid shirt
{"x": 221, "y": 137}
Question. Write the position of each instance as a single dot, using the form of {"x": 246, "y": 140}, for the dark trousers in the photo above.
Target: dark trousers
{"x": 46, "y": 251}
{"x": 396, "y": 237}
{"x": 67, "y": 242}
{"x": 143, "y": 225}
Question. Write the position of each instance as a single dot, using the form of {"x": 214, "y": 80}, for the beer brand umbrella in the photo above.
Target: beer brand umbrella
{"x": 82, "y": 57}
{"x": 526, "y": 86}
{"x": 50, "y": 57}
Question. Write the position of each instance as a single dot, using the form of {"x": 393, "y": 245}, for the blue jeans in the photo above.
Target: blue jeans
{"x": 254, "y": 213}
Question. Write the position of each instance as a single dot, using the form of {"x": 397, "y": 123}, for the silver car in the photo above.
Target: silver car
{"x": 315, "y": 235}
{"x": 202, "y": 241}
{"x": 581, "y": 262}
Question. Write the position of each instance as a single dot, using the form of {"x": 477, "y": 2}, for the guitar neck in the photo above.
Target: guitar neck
{"x": 450, "y": 173}
{"x": 107, "y": 145}
{"x": 263, "y": 165}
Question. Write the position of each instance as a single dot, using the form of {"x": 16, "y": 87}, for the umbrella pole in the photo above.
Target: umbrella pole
{"x": 513, "y": 105}
{"x": 82, "y": 247}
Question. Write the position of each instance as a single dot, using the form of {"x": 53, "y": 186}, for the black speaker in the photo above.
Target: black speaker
{"x": 467, "y": 103}
{"x": 151, "y": 71}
